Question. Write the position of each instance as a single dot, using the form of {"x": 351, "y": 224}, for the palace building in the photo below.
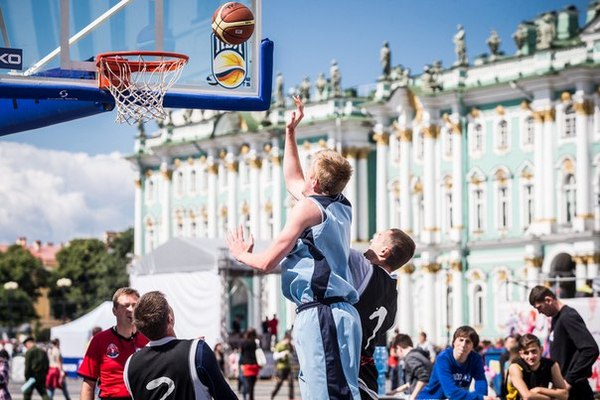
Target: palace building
{"x": 492, "y": 166}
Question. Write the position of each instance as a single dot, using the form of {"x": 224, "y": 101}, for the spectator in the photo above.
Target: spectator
{"x": 248, "y": 364}
{"x": 511, "y": 344}
{"x": 572, "y": 345}
{"x": 4, "y": 375}
{"x": 273, "y": 323}
{"x": 417, "y": 366}
{"x": 455, "y": 368}
{"x": 108, "y": 351}
{"x": 531, "y": 374}
{"x": 220, "y": 356}
{"x": 36, "y": 367}
{"x": 424, "y": 344}
{"x": 283, "y": 354}
{"x": 56, "y": 374}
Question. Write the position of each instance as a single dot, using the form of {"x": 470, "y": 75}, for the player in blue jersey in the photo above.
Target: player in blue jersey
{"x": 313, "y": 249}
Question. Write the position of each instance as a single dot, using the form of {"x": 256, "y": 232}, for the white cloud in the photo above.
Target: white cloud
{"x": 56, "y": 196}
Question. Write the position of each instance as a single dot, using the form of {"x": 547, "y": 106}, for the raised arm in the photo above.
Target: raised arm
{"x": 292, "y": 170}
{"x": 304, "y": 214}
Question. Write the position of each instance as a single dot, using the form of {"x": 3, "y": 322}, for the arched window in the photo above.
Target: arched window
{"x": 528, "y": 131}
{"x": 478, "y": 203}
{"x": 448, "y": 142}
{"x": 179, "y": 183}
{"x": 502, "y": 135}
{"x": 150, "y": 188}
{"x": 528, "y": 204}
{"x": 569, "y": 122}
{"x": 193, "y": 181}
{"x": 478, "y": 305}
{"x": 570, "y": 195}
{"x": 477, "y": 143}
{"x": 502, "y": 206}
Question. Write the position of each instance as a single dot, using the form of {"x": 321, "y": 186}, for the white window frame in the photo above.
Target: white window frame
{"x": 476, "y": 136}
{"x": 569, "y": 198}
{"x": 478, "y": 312}
{"x": 477, "y": 206}
{"x": 447, "y": 142}
{"x": 569, "y": 117}
{"x": 193, "y": 180}
{"x": 527, "y": 132}
{"x": 527, "y": 199}
{"x": 150, "y": 189}
{"x": 501, "y": 136}
{"x": 179, "y": 182}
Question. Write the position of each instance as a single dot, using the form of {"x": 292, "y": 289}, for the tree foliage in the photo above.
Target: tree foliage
{"x": 95, "y": 269}
{"x": 18, "y": 265}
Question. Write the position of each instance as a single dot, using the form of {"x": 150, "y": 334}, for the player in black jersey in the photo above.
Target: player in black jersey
{"x": 371, "y": 273}
{"x": 169, "y": 368}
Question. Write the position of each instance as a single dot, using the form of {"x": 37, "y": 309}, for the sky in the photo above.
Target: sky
{"x": 69, "y": 180}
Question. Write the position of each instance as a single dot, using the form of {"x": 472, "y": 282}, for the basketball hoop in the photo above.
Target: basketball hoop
{"x": 138, "y": 81}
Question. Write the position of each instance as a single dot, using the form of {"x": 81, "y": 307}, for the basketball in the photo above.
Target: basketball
{"x": 233, "y": 23}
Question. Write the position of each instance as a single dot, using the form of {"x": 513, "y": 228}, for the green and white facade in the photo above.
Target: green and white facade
{"x": 492, "y": 167}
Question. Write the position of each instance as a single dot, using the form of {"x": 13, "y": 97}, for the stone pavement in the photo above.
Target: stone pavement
{"x": 262, "y": 391}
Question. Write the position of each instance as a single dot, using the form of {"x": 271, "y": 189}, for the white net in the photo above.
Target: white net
{"x": 138, "y": 82}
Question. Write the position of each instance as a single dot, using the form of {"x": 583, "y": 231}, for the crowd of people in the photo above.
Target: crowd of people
{"x": 346, "y": 304}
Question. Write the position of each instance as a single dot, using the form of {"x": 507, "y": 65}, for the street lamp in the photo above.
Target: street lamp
{"x": 10, "y": 287}
{"x": 64, "y": 284}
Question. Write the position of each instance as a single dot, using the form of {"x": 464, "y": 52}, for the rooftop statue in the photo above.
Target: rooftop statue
{"x": 385, "y": 58}
{"x": 336, "y": 79}
{"x": 546, "y": 31}
{"x": 279, "y": 96}
{"x": 460, "y": 47}
{"x": 493, "y": 43}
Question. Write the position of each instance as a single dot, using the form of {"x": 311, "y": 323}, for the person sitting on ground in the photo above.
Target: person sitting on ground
{"x": 530, "y": 376}
{"x": 167, "y": 366}
{"x": 417, "y": 366}
{"x": 455, "y": 368}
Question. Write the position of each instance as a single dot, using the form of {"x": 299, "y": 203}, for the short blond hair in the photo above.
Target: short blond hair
{"x": 332, "y": 171}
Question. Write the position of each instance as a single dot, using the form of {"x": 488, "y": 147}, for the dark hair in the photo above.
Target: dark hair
{"x": 402, "y": 249}
{"x": 539, "y": 293}
{"x": 527, "y": 340}
{"x": 151, "y": 315}
{"x": 402, "y": 340}
{"x": 468, "y": 332}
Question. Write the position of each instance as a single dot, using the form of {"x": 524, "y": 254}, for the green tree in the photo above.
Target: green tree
{"x": 95, "y": 270}
{"x": 18, "y": 265}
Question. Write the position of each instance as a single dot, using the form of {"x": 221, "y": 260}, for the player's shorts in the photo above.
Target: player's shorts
{"x": 328, "y": 339}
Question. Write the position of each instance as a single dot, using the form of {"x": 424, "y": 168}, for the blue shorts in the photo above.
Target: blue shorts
{"x": 328, "y": 342}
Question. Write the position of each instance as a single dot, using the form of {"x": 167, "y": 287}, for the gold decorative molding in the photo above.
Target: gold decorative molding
{"x": 431, "y": 267}
{"x": 525, "y": 105}
{"x": 579, "y": 260}
{"x": 255, "y": 163}
{"x": 245, "y": 209}
{"x": 595, "y": 258}
{"x": 431, "y": 131}
{"x": 267, "y": 148}
{"x": 276, "y": 160}
{"x": 502, "y": 276}
{"x": 456, "y": 265}
{"x": 306, "y": 145}
{"x": 475, "y": 180}
{"x": 202, "y": 159}
{"x": 350, "y": 152}
{"x": 177, "y": 162}
{"x": 222, "y": 154}
{"x": 448, "y": 182}
{"x": 526, "y": 174}
{"x": 138, "y": 183}
{"x": 475, "y": 276}
{"x": 382, "y": 139}
{"x": 223, "y": 212}
{"x": 568, "y": 166}
{"x": 407, "y": 268}
{"x": 268, "y": 207}
{"x": 149, "y": 173}
{"x": 418, "y": 187}
{"x": 501, "y": 177}
{"x": 190, "y": 160}
{"x": 213, "y": 169}
{"x": 586, "y": 108}
{"x": 167, "y": 174}
{"x": 245, "y": 149}
{"x": 475, "y": 112}
{"x": 549, "y": 115}
{"x": 534, "y": 261}
{"x": 322, "y": 143}
{"x": 455, "y": 128}
{"x": 404, "y": 135}
{"x": 363, "y": 153}
{"x": 500, "y": 110}
{"x": 566, "y": 97}
{"x": 233, "y": 166}
{"x": 538, "y": 116}
{"x": 585, "y": 216}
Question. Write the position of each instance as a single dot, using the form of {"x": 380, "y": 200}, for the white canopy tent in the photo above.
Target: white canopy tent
{"x": 186, "y": 270}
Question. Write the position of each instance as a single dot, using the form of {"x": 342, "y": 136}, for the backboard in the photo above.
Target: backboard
{"x": 48, "y": 50}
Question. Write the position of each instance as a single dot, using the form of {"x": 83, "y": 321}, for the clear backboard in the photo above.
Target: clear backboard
{"x": 48, "y": 52}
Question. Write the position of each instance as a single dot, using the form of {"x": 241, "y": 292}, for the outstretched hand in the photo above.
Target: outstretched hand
{"x": 296, "y": 115}
{"x": 237, "y": 244}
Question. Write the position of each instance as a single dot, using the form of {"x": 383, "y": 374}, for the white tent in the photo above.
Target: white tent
{"x": 75, "y": 335}
{"x": 186, "y": 270}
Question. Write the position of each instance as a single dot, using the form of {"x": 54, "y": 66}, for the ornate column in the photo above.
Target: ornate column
{"x": 457, "y": 179}
{"x": 593, "y": 262}
{"x": 165, "y": 200}
{"x": 255, "y": 164}
{"x": 363, "y": 194}
{"x": 212, "y": 170}
{"x": 381, "y": 195}
{"x": 351, "y": 190}
{"x": 138, "y": 226}
{"x": 538, "y": 169}
{"x": 458, "y": 288}
{"x": 232, "y": 165}
{"x": 580, "y": 272}
{"x": 277, "y": 187}
{"x": 405, "y": 299}
{"x": 584, "y": 217}
{"x": 548, "y": 172}
{"x": 429, "y": 312}
{"x": 430, "y": 229}
{"x": 405, "y": 137}
{"x": 533, "y": 264}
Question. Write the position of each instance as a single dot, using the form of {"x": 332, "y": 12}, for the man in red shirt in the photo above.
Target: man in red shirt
{"x": 273, "y": 328}
{"x": 108, "y": 351}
